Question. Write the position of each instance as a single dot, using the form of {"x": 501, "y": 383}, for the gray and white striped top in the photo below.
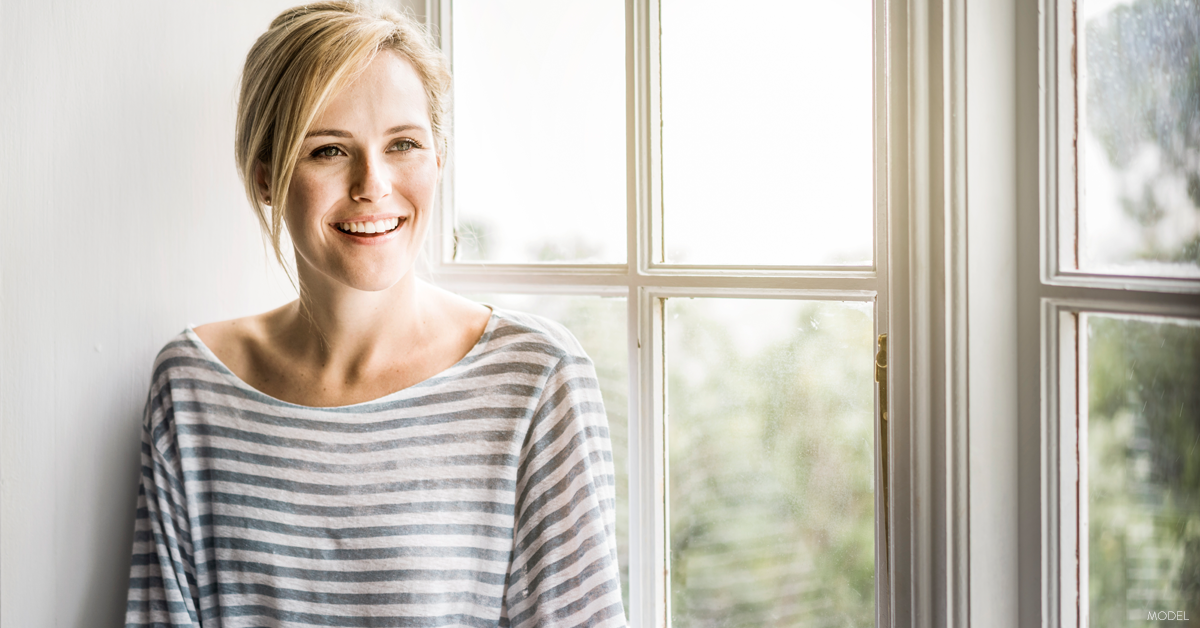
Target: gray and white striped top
{"x": 483, "y": 496}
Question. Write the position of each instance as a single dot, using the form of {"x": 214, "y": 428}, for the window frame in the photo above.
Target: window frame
{"x": 645, "y": 281}
{"x": 1063, "y": 43}
{"x": 977, "y": 493}
{"x": 1063, "y": 295}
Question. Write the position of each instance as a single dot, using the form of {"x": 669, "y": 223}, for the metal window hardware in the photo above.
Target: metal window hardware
{"x": 881, "y": 378}
{"x": 881, "y": 374}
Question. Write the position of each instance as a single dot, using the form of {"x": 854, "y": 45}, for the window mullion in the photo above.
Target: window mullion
{"x": 1125, "y": 301}
{"x": 647, "y": 524}
{"x": 441, "y": 251}
{"x": 647, "y": 499}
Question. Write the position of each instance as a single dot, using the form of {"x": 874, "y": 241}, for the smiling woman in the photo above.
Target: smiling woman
{"x": 379, "y": 451}
{"x": 359, "y": 168}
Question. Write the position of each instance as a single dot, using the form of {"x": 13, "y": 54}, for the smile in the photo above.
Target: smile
{"x": 370, "y": 229}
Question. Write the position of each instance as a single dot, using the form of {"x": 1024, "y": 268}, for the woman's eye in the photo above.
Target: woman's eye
{"x": 404, "y": 146}
{"x": 327, "y": 151}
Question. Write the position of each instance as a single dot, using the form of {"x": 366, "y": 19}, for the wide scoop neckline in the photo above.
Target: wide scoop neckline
{"x": 228, "y": 373}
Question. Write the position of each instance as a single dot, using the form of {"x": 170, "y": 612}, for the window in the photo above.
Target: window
{"x": 707, "y": 211}
{"x": 1120, "y": 312}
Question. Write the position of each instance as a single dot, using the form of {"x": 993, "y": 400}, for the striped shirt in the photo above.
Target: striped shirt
{"x": 483, "y": 496}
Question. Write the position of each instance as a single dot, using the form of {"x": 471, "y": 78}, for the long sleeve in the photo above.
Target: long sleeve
{"x": 563, "y": 570}
{"x": 162, "y": 575}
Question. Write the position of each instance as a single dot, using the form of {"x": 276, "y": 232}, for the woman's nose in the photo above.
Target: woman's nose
{"x": 370, "y": 181}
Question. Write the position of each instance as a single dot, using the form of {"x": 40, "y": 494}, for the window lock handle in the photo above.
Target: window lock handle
{"x": 881, "y": 375}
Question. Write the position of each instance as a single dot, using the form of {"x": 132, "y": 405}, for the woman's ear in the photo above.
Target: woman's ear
{"x": 261, "y": 182}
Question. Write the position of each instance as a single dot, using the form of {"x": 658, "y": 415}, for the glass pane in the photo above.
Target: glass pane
{"x": 539, "y": 130}
{"x": 1140, "y": 143}
{"x": 767, "y": 138}
{"x": 770, "y": 437}
{"x": 1143, "y": 485}
{"x": 599, "y": 323}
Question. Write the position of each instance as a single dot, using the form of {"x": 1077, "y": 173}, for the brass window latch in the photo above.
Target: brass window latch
{"x": 881, "y": 375}
{"x": 885, "y": 481}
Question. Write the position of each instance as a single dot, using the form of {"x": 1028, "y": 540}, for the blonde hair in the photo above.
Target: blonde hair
{"x": 306, "y": 56}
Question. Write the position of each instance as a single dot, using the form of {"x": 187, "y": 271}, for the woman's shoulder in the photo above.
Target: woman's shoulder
{"x": 508, "y": 328}
{"x": 181, "y": 362}
{"x": 231, "y": 336}
{"x": 238, "y": 343}
{"x": 553, "y": 337}
{"x": 191, "y": 348}
{"x": 182, "y": 350}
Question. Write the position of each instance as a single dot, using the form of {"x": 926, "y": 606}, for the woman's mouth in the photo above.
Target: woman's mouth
{"x": 370, "y": 229}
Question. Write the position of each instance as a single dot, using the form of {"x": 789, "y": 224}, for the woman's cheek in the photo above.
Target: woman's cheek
{"x": 310, "y": 197}
{"x": 425, "y": 184}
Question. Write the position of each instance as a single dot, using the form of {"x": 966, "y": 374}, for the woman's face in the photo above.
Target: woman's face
{"x": 359, "y": 204}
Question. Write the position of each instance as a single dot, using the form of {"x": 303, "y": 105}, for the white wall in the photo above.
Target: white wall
{"x": 122, "y": 222}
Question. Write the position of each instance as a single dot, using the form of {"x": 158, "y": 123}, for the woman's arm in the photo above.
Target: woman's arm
{"x": 564, "y": 563}
{"x": 162, "y": 576}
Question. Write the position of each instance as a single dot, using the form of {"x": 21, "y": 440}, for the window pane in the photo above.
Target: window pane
{"x": 1140, "y": 146}
{"x": 1143, "y": 453}
{"x": 539, "y": 137}
{"x": 767, "y": 132}
{"x": 770, "y": 436}
{"x": 599, "y": 324}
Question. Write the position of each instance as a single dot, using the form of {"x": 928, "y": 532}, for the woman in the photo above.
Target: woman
{"x": 379, "y": 452}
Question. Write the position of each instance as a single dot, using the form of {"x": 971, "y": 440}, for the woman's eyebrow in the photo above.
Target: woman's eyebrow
{"x": 336, "y": 133}
{"x": 404, "y": 127}
{"x": 330, "y": 132}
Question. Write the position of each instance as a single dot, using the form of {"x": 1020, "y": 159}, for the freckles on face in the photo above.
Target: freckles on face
{"x": 359, "y": 201}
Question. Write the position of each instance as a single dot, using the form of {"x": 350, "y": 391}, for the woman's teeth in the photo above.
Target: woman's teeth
{"x": 379, "y": 226}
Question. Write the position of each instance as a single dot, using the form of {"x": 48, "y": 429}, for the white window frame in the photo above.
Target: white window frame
{"x": 1063, "y": 294}
{"x": 983, "y": 359}
{"x": 645, "y": 282}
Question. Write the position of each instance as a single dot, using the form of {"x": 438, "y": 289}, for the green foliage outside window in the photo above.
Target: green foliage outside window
{"x": 771, "y": 465}
{"x": 1143, "y": 469}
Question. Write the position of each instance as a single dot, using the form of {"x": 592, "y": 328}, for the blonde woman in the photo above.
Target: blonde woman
{"x": 378, "y": 452}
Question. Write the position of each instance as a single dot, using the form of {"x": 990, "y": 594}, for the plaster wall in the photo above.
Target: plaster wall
{"x": 122, "y": 220}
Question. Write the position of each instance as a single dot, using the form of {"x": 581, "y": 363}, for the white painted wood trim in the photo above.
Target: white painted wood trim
{"x": 906, "y": 576}
{"x": 884, "y": 517}
{"x": 1064, "y": 480}
{"x": 933, "y": 333}
{"x": 1074, "y": 465}
{"x": 959, "y": 109}
{"x": 441, "y": 238}
{"x": 648, "y": 569}
{"x": 913, "y": 346}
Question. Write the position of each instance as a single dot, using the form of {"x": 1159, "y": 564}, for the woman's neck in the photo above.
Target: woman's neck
{"x": 350, "y": 333}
